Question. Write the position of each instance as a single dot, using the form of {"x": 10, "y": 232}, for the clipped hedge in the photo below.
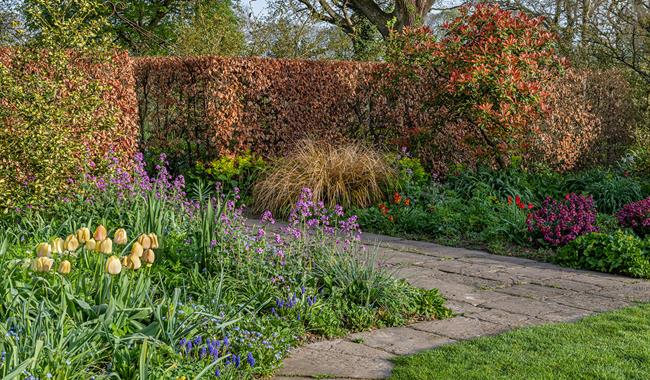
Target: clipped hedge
{"x": 201, "y": 108}
{"x": 62, "y": 115}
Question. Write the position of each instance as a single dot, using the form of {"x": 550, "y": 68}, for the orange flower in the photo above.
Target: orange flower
{"x": 407, "y": 202}
{"x": 397, "y": 198}
{"x": 390, "y": 218}
{"x": 383, "y": 208}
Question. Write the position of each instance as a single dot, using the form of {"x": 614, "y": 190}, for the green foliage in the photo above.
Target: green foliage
{"x": 213, "y": 29}
{"x": 610, "y": 190}
{"x": 68, "y": 24}
{"x": 232, "y": 172}
{"x": 618, "y": 252}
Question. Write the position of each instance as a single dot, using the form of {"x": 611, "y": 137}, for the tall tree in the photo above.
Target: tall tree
{"x": 382, "y": 14}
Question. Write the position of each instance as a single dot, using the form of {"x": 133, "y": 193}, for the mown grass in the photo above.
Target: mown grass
{"x": 614, "y": 345}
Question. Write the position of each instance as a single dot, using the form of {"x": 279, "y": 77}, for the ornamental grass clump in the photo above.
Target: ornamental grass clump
{"x": 557, "y": 223}
{"x": 345, "y": 174}
{"x": 636, "y": 216}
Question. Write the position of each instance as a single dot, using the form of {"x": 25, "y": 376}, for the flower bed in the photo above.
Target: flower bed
{"x": 172, "y": 286}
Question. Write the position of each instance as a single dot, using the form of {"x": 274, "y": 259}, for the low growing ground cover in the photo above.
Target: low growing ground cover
{"x": 137, "y": 279}
{"x": 614, "y": 345}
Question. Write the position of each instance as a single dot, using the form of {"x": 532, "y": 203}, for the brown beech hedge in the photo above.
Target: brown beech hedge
{"x": 199, "y": 108}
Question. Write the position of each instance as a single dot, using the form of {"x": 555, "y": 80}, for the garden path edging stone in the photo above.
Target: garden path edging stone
{"x": 491, "y": 294}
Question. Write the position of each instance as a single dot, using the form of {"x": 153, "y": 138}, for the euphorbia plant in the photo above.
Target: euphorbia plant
{"x": 492, "y": 63}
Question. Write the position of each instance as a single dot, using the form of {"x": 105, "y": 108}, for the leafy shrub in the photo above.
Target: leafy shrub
{"x": 347, "y": 174}
{"x": 615, "y": 253}
{"x": 559, "y": 222}
{"x": 475, "y": 55}
{"x": 636, "y": 216}
{"x": 237, "y": 171}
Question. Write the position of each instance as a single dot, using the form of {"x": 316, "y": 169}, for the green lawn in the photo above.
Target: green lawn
{"x": 613, "y": 345}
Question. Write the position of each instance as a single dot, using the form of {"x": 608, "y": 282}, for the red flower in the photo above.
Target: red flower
{"x": 509, "y": 200}
{"x": 390, "y": 218}
{"x": 383, "y": 208}
{"x": 397, "y": 198}
{"x": 407, "y": 202}
{"x": 530, "y": 206}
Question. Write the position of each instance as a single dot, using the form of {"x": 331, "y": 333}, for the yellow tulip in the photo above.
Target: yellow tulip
{"x": 100, "y": 233}
{"x": 134, "y": 262}
{"x": 145, "y": 241}
{"x": 113, "y": 265}
{"x": 91, "y": 244}
{"x": 57, "y": 245}
{"x": 43, "y": 250}
{"x": 125, "y": 261}
{"x": 154, "y": 241}
{"x": 42, "y": 264}
{"x": 120, "y": 236}
{"x": 106, "y": 246}
{"x": 148, "y": 257}
{"x": 136, "y": 249}
{"x": 71, "y": 243}
{"x": 83, "y": 235}
{"x": 64, "y": 267}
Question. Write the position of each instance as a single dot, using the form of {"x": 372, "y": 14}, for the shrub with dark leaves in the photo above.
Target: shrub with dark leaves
{"x": 636, "y": 216}
{"x": 559, "y": 222}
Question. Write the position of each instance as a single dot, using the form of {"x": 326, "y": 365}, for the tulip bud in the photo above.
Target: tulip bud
{"x": 125, "y": 261}
{"x": 43, "y": 250}
{"x": 154, "y": 241}
{"x": 106, "y": 246}
{"x": 42, "y": 264}
{"x": 120, "y": 236}
{"x": 91, "y": 244}
{"x": 64, "y": 267}
{"x": 136, "y": 249}
{"x": 100, "y": 233}
{"x": 113, "y": 265}
{"x": 145, "y": 241}
{"x": 83, "y": 235}
{"x": 57, "y": 245}
{"x": 71, "y": 243}
{"x": 134, "y": 262}
{"x": 148, "y": 257}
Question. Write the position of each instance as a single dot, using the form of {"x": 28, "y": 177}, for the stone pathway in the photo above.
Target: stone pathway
{"x": 490, "y": 294}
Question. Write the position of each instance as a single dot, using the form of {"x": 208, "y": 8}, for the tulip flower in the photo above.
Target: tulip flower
{"x": 42, "y": 264}
{"x": 43, "y": 250}
{"x": 83, "y": 235}
{"x": 71, "y": 243}
{"x": 136, "y": 249}
{"x": 134, "y": 262}
{"x": 120, "y": 237}
{"x": 100, "y": 233}
{"x": 125, "y": 261}
{"x": 57, "y": 245}
{"x": 64, "y": 267}
{"x": 145, "y": 241}
{"x": 113, "y": 265}
{"x": 154, "y": 241}
{"x": 105, "y": 246}
{"x": 91, "y": 244}
{"x": 148, "y": 257}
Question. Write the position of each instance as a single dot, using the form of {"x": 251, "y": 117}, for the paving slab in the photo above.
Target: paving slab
{"x": 400, "y": 340}
{"x": 460, "y": 328}
{"x": 490, "y": 294}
